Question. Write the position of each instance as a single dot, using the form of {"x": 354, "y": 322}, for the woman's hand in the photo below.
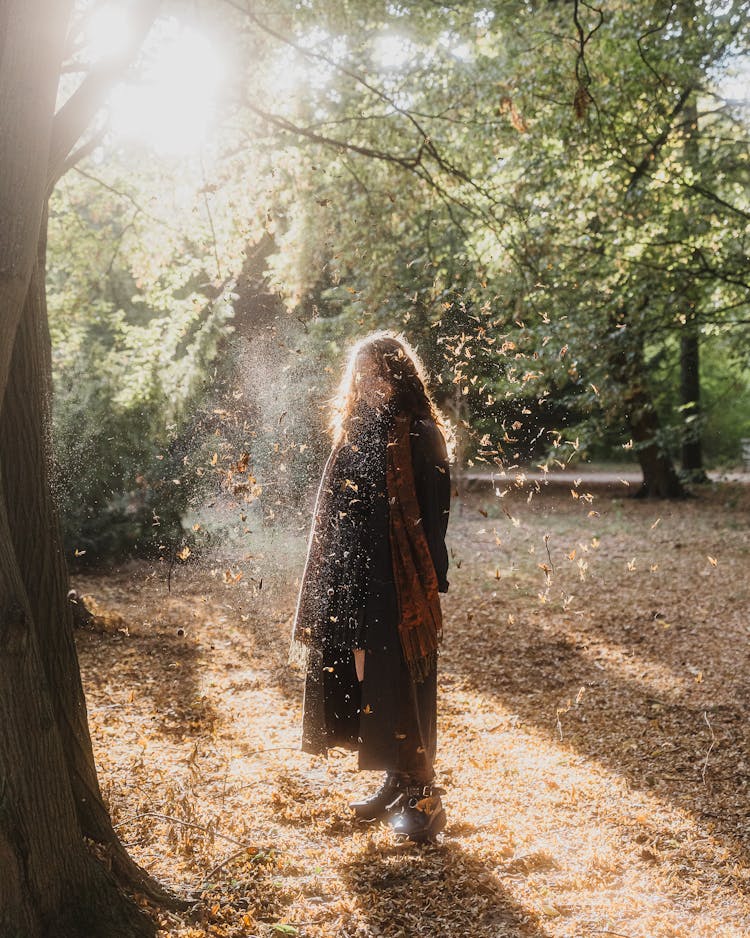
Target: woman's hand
{"x": 359, "y": 663}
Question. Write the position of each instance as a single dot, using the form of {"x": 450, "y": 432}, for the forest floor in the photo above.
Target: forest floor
{"x": 594, "y": 708}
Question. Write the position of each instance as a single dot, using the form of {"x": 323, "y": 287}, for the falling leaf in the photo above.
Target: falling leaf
{"x": 713, "y": 561}
{"x": 184, "y": 553}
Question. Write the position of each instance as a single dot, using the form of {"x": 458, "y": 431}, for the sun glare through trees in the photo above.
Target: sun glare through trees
{"x": 171, "y": 101}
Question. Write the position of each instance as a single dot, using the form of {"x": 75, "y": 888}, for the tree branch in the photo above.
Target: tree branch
{"x": 78, "y": 111}
{"x": 656, "y": 146}
{"x": 583, "y": 96}
{"x": 713, "y": 197}
{"x": 281, "y": 123}
{"x": 426, "y": 145}
{"x": 81, "y": 152}
{"x": 649, "y": 32}
{"x": 126, "y": 195}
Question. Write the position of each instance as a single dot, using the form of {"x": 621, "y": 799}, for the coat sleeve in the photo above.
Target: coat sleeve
{"x": 433, "y": 484}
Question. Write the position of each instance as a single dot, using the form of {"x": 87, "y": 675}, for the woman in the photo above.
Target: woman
{"x": 368, "y": 615}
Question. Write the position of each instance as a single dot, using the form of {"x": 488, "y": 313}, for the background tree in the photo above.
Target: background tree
{"x": 562, "y": 162}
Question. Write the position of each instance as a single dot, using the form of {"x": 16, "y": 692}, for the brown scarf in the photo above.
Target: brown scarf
{"x": 420, "y": 620}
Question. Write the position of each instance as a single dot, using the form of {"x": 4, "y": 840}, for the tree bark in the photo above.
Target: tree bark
{"x": 25, "y": 452}
{"x": 690, "y": 394}
{"x": 690, "y": 381}
{"x": 51, "y": 884}
{"x": 31, "y": 41}
{"x": 660, "y": 480}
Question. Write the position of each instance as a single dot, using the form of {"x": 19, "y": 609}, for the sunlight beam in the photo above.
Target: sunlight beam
{"x": 171, "y": 104}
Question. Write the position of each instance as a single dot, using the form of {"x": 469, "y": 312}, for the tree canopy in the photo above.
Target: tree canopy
{"x": 551, "y": 199}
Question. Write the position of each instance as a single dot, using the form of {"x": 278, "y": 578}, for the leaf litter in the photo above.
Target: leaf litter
{"x": 594, "y": 737}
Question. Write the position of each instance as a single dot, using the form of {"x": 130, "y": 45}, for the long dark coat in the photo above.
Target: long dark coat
{"x": 389, "y": 718}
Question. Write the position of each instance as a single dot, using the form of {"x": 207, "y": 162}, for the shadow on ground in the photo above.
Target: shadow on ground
{"x": 157, "y": 662}
{"x": 435, "y": 892}
{"x": 675, "y": 741}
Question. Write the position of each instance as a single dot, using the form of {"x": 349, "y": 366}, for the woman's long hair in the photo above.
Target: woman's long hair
{"x": 389, "y": 357}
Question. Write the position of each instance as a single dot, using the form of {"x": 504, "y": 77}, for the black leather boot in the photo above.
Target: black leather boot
{"x": 385, "y": 799}
{"x": 421, "y": 816}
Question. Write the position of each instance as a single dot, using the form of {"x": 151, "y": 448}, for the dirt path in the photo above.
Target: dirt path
{"x": 594, "y": 736}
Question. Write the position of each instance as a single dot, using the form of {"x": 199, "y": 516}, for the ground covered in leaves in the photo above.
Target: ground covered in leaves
{"x": 594, "y": 734}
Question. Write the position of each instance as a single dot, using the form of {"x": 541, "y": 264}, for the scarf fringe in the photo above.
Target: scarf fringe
{"x": 421, "y": 666}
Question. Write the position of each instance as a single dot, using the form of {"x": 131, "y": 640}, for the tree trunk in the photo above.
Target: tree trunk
{"x": 50, "y": 882}
{"x": 690, "y": 393}
{"x": 690, "y": 380}
{"x": 660, "y": 480}
{"x": 25, "y": 452}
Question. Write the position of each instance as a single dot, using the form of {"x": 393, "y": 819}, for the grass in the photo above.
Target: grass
{"x": 594, "y": 734}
